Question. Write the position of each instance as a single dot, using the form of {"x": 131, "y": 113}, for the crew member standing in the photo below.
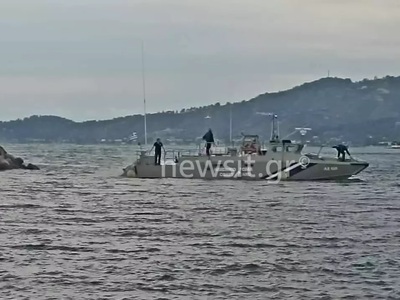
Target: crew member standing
{"x": 157, "y": 151}
{"x": 209, "y": 138}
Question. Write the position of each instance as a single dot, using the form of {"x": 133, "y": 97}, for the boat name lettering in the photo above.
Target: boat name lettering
{"x": 330, "y": 168}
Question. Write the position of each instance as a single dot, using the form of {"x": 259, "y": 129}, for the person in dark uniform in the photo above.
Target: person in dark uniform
{"x": 157, "y": 150}
{"x": 209, "y": 138}
{"x": 342, "y": 150}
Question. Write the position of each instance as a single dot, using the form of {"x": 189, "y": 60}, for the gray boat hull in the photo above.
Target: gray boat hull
{"x": 256, "y": 168}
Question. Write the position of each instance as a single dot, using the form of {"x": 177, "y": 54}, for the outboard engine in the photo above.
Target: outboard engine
{"x": 130, "y": 171}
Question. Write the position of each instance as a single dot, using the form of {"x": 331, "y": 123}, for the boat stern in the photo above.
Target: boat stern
{"x": 130, "y": 171}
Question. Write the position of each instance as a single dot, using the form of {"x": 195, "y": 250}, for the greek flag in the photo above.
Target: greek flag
{"x": 133, "y": 136}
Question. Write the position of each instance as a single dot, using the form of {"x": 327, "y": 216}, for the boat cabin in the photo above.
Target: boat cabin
{"x": 251, "y": 145}
{"x": 286, "y": 146}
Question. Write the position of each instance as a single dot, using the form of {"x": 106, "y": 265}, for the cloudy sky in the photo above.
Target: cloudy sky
{"x": 81, "y": 59}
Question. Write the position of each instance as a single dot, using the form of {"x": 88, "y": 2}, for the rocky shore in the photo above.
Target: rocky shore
{"x": 9, "y": 162}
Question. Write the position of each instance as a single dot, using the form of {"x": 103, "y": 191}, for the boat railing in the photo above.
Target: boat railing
{"x": 318, "y": 155}
{"x": 170, "y": 153}
{"x": 176, "y": 153}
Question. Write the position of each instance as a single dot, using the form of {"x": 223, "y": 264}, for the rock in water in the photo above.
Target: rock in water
{"x": 32, "y": 167}
{"x": 9, "y": 162}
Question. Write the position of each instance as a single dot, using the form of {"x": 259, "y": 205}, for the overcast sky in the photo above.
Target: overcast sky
{"x": 81, "y": 59}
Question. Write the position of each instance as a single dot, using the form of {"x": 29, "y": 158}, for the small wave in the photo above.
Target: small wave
{"x": 249, "y": 268}
{"x": 24, "y": 205}
{"x": 52, "y": 248}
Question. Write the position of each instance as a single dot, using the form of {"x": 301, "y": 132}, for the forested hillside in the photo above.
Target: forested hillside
{"x": 361, "y": 112}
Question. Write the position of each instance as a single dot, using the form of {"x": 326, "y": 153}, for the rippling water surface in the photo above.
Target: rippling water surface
{"x": 77, "y": 230}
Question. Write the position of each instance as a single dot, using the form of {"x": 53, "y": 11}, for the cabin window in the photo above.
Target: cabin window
{"x": 276, "y": 149}
{"x": 290, "y": 149}
{"x": 293, "y": 148}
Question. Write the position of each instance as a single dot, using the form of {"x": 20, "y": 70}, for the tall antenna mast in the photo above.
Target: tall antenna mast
{"x": 144, "y": 97}
{"x": 230, "y": 123}
{"x": 274, "y": 127}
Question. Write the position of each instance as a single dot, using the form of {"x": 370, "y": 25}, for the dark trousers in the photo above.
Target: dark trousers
{"x": 208, "y": 146}
{"x": 157, "y": 158}
{"x": 343, "y": 154}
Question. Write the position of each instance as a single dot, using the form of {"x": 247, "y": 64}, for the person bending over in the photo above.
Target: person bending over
{"x": 342, "y": 150}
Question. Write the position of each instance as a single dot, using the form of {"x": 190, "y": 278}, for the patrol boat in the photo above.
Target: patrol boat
{"x": 277, "y": 160}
